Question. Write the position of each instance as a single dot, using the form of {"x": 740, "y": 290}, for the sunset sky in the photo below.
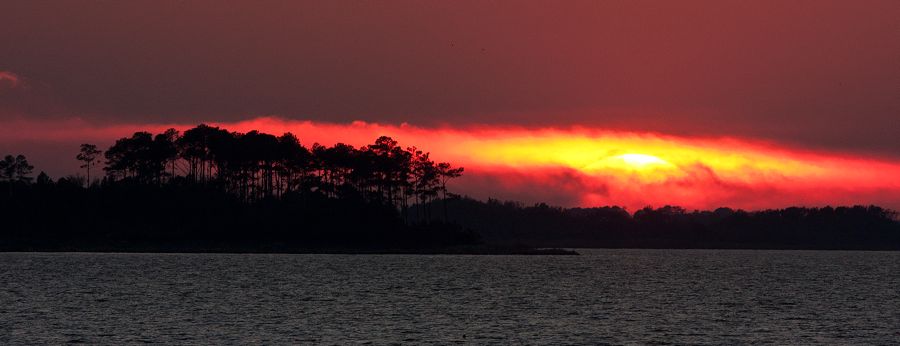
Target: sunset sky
{"x": 752, "y": 104}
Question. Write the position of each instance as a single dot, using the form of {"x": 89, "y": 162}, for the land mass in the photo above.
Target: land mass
{"x": 826, "y": 228}
{"x": 211, "y": 190}
{"x": 126, "y": 217}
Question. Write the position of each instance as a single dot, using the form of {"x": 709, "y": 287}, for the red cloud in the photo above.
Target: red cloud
{"x": 568, "y": 166}
{"x": 8, "y": 80}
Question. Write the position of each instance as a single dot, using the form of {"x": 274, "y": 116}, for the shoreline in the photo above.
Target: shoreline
{"x": 467, "y": 250}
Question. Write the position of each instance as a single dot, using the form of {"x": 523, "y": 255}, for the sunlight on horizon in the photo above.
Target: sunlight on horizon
{"x": 596, "y": 166}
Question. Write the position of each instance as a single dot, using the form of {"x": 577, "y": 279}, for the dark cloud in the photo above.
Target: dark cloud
{"x": 816, "y": 73}
{"x": 557, "y": 186}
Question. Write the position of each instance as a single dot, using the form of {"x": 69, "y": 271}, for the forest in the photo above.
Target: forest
{"x": 255, "y": 166}
{"x": 211, "y": 190}
{"x": 827, "y": 228}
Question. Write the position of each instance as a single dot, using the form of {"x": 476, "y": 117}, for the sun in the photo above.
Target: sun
{"x": 641, "y": 160}
{"x": 646, "y": 168}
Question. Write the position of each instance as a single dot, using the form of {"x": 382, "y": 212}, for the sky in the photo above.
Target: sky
{"x": 749, "y": 104}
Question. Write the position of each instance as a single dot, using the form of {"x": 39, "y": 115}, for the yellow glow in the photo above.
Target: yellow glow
{"x": 598, "y": 166}
{"x": 643, "y": 167}
{"x": 641, "y": 160}
{"x": 627, "y": 158}
{"x": 632, "y": 168}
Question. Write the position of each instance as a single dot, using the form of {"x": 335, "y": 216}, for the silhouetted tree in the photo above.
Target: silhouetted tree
{"x": 445, "y": 172}
{"x": 293, "y": 163}
{"x": 7, "y": 168}
{"x": 425, "y": 179}
{"x": 43, "y": 179}
{"x": 196, "y": 147}
{"x": 257, "y": 165}
{"x": 88, "y": 155}
{"x": 140, "y": 157}
{"x": 15, "y": 169}
{"x": 167, "y": 147}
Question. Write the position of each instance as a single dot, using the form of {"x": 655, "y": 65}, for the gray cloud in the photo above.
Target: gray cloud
{"x": 815, "y": 73}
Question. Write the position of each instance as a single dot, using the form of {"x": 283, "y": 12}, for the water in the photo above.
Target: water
{"x": 603, "y": 296}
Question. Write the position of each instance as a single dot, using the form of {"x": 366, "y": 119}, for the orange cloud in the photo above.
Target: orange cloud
{"x": 581, "y": 166}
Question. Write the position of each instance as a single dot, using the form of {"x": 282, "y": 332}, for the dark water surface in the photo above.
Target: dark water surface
{"x": 603, "y": 296}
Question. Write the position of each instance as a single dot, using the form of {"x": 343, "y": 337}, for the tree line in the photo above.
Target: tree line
{"x": 209, "y": 189}
{"x": 541, "y": 225}
{"x": 256, "y": 166}
{"x": 15, "y": 169}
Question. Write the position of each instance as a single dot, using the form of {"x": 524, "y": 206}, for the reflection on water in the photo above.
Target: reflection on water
{"x": 603, "y": 296}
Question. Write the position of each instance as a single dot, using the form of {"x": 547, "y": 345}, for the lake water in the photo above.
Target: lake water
{"x": 603, "y": 296}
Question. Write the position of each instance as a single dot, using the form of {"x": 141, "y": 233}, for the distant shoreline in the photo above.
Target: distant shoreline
{"x": 465, "y": 250}
{"x": 487, "y": 250}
